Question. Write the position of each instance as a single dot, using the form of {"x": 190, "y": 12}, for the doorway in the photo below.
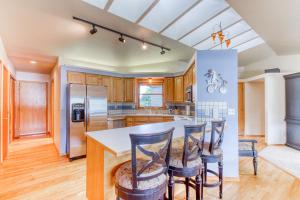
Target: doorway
{"x": 32, "y": 106}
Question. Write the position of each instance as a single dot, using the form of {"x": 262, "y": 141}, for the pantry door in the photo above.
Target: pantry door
{"x": 32, "y": 108}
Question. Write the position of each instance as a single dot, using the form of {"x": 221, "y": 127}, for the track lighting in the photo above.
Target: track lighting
{"x": 144, "y": 46}
{"x": 121, "y": 39}
{"x": 122, "y": 35}
{"x": 93, "y": 30}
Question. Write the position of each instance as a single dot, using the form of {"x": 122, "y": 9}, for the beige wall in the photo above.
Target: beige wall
{"x": 254, "y": 108}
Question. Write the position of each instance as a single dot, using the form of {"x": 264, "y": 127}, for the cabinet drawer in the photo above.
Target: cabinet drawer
{"x": 156, "y": 119}
{"x": 129, "y": 119}
{"x": 141, "y": 119}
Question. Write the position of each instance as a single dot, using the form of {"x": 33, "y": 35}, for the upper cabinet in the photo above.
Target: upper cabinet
{"x": 129, "y": 89}
{"x": 178, "y": 89}
{"x": 92, "y": 79}
{"x": 169, "y": 89}
{"x": 118, "y": 89}
{"x": 76, "y": 77}
{"x": 108, "y": 83}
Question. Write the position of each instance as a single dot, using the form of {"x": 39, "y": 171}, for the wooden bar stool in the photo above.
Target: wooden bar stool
{"x": 186, "y": 162}
{"x": 212, "y": 153}
{"x": 145, "y": 179}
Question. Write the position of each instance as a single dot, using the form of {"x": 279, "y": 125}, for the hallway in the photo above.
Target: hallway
{"x": 35, "y": 171}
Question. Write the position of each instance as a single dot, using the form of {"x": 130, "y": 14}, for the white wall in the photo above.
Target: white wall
{"x": 5, "y": 60}
{"x": 27, "y": 76}
{"x": 275, "y": 109}
{"x": 254, "y": 108}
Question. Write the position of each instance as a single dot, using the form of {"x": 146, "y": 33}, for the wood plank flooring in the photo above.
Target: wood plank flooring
{"x": 35, "y": 171}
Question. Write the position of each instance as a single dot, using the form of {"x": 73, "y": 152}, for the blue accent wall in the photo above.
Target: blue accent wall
{"x": 224, "y": 62}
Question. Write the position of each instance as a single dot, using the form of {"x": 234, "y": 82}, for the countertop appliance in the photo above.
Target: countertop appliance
{"x": 189, "y": 94}
{"x": 87, "y": 111}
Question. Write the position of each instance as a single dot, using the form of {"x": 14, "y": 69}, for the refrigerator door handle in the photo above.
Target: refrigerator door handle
{"x": 87, "y": 112}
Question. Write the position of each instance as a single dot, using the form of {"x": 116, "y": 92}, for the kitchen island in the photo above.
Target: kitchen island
{"x": 108, "y": 149}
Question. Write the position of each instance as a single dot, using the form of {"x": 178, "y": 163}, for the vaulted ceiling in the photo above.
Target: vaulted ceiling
{"x": 46, "y": 28}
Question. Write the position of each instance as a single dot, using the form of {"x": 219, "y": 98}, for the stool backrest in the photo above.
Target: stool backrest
{"x": 217, "y": 135}
{"x": 194, "y": 136}
{"x": 160, "y": 157}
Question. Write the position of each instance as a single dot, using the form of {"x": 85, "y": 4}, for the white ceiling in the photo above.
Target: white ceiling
{"x": 46, "y": 27}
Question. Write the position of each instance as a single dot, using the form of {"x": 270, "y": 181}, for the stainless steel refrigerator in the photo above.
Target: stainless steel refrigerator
{"x": 87, "y": 111}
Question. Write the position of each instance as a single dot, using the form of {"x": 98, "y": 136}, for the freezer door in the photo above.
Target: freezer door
{"x": 96, "y": 108}
{"x": 77, "y": 129}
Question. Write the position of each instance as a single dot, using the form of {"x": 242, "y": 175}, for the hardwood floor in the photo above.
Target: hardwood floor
{"x": 34, "y": 171}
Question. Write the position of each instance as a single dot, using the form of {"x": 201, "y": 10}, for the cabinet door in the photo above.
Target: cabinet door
{"x": 129, "y": 89}
{"x": 107, "y": 82}
{"x": 76, "y": 77}
{"x": 118, "y": 89}
{"x": 169, "y": 88}
{"x": 178, "y": 90}
{"x": 91, "y": 79}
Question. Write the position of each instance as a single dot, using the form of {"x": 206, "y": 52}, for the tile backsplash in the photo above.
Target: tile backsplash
{"x": 209, "y": 111}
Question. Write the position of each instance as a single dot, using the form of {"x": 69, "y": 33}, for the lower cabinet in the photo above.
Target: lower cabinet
{"x": 141, "y": 120}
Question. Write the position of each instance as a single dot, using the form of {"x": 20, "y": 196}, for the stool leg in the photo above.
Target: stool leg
{"x": 255, "y": 165}
{"x": 171, "y": 186}
{"x": 205, "y": 172}
{"x": 202, "y": 181}
{"x": 220, "y": 164}
{"x": 198, "y": 187}
{"x": 187, "y": 188}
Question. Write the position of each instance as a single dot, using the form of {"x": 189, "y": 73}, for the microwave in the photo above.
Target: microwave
{"x": 189, "y": 94}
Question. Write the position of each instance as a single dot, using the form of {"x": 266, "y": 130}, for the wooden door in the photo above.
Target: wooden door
{"x": 129, "y": 89}
{"x": 5, "y": 112}
{"x": 169, "y": 89}
{"x": 52, "y": 108}
{"x": 33, "y": 108}
{"x": 107, "y": 82}
{"x": 92, "y": 79}
{"x": 241, "y": 108}
{"x": 12, "y": 110}
{"x": 178, "y": 89}
{"x": 118, "y": 89}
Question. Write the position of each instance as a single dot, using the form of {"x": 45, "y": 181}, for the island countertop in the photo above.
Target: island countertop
{"x": 117, "y": 141}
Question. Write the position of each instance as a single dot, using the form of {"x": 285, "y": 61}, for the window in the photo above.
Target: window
{"x": 150, "y": 95}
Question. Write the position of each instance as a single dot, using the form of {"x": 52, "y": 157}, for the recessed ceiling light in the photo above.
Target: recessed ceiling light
{"x": 33, "y": 62}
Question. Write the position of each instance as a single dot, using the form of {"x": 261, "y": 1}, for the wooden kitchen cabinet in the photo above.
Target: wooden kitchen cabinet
{"x": 118, "y": 89}
{"x": 92, "y": 79}
{"x": 129, "y": 89}
{"x": 140, "y": 120}
{"x": 178, "y": 89}
{"x": 107, "y": 82}
{"x": 76, "y": 77}
{"x": 169, "y": 89}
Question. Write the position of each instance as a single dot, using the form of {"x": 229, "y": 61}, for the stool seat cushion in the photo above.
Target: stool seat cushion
{"x": 176, "y": 159}
{"x": 124, "y": 176}
{"x": 245, "y": 146}
{"x": 216, "y": 152}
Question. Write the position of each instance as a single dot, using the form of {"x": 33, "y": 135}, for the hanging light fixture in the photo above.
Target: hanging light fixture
{"x": 219, "y": 33}
{"x": 121, "y": 39}
{"x": 162, "y": 51}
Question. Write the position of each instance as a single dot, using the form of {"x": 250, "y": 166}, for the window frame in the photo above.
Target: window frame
{"x": 154, "y": 82}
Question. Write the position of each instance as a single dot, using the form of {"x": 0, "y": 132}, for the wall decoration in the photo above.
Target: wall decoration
{"x": 215, "y": 82}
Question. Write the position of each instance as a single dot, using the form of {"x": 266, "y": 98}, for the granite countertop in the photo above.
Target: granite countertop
{"x": 122, "y": 116}
{"x": 118, "y": 142}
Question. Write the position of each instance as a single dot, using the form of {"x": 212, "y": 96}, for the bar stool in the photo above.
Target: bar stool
{"x": 186, "y": 162}
{"x": 145, "y": 179}
{"x": 212, "y": 153}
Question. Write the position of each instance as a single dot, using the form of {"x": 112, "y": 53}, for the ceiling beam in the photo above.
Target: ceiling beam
{"x": 233, "y": 37}
{"x": 223, "y": 30}
{"x": 245, "y": 42}
{"x": 147, "y": 11}
{"x": 108, "y": 4}
{"x": 219, "y": 13}
{"x": 180, "y": 16}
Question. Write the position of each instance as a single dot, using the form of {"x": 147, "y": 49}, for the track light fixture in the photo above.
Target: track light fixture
{"x": 122, "y": 35}
{"x": 93, "y": 30}
{"x": 121, "y": 39}
{"x": 144, "y": 46}
{"x": 162, "y": 51}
